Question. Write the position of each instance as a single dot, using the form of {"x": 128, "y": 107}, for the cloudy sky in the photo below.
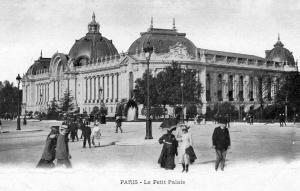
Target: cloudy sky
{"x": 249, "y": 27}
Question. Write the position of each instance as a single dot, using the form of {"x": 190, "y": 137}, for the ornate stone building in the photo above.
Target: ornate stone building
{"x": 95, "y": 72}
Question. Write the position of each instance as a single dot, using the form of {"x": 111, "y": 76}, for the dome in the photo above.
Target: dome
{"x": 280, "y": 54}
{"x": 41, "y": 65}
{"x": 92, "y": 46}
{"x": 162, "y": 40}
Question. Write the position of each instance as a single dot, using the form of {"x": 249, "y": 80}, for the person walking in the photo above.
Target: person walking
{"x": 62, "y": 150}
{"x": 227, "y": 118}
{"x": 169, "y": 150}
{"x": 86, "y": 132}
{"x": 48, "y": 155}
{"x": 119, "y": 124}
{"x": 0, "y": 126}
{"x": 96, "y": 134}
{"x": 221, "y": 143}
{"x": 185, "y": 141}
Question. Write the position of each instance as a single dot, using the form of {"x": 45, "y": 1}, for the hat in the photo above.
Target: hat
{"x": 184, "y": 127}
{"x": 63, "y": 127}
{"x": 54, "y": 128}
{"x": 223, "y": 120}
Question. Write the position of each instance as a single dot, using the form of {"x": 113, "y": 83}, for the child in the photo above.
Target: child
{"x": 96, "y": 134}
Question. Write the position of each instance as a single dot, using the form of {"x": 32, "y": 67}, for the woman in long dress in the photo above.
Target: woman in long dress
{"x": 48, "y": 155}
{"x": 96, "y": 134}
{"x": 185, "y": 141}
{"x": 169, "y": 150}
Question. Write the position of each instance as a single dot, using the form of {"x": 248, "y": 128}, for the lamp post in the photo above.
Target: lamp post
{"x": 18, "y": 78}
{"x": 148, "y": 51}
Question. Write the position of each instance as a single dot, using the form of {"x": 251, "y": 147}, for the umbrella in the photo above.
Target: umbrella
{"x": 169, "y": 124}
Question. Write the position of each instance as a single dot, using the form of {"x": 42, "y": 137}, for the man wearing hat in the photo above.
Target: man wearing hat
{"x": 62, "y": 150}
{"x": 221, "y": 142}
{"x": 48, "y": 155}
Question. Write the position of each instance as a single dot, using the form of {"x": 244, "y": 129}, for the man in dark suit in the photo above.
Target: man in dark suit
{"x": 221, "y": 143}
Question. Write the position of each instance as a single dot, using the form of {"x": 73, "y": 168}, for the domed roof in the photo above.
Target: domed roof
{"x": 280, "y": 54}
{"x": 93, "y": 45}
{"x": 162, "y": 40}
{"x": 41, "y": 65}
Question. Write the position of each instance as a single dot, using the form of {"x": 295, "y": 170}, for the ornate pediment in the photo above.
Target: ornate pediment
{"x": 176, "y": 52}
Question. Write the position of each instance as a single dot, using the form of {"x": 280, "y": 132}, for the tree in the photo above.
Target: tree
{"x": 9, "y": 98}
{"x": 66, "y": 103}
{"x": 289, "y": 92}
{"x": 53, "y": 111}
{"x": 171, "y": 86}
{"x": 141, "y": 90}
{"x": 178, "y": 86}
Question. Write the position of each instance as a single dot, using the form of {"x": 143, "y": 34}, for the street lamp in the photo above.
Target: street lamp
{"x": 18, "y": 78}
{"x": 148, "y": 51}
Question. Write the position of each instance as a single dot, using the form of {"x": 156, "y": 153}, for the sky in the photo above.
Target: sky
{"x": 240, "y": 26}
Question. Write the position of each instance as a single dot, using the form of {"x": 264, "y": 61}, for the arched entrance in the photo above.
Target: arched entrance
{"x": 131, "y": 110}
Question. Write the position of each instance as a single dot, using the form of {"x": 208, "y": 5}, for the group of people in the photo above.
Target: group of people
{"x": 281, "y": 118}
{"x": 180, "y": 144}
{"x": 56, "y": 148}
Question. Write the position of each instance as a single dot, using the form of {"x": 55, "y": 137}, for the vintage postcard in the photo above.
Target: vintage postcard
{"x": 149, "y": 95}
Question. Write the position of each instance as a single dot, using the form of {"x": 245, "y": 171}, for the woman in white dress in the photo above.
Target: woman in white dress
{"x": 96, "y": 134}
{"x": 185, "y": 141}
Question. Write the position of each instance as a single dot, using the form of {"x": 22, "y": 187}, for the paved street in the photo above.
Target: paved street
{"x": 264, "y": 148}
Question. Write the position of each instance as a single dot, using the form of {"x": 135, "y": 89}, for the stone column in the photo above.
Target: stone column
{"x": 202, "y": 79}
{"x": 225, "y": 87}
{"x": 86, "y": 89}
{"x": 112, "y": 88}
{"x": 213, "y": 87}
{"x": 255, "y": 88}
{"x": 103, "y": 88}
{"x": 273, "y": 87}
{"x": 236, "y": 87}
{"x": 58, "y": 89}
{"x": 117, "y": 86}
{"x": 264, "y": 88}
{"x": 90, "y": 88}
{"x": 54, "y": 92}
{"x": 108, "y": 87}
{"x": 246, "y": 88}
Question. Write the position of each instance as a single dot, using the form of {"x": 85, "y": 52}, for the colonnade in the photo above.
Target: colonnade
{"x": 42, "y": 93}
{"x": 240, "y": 87}
{"x": 101, "y": 87}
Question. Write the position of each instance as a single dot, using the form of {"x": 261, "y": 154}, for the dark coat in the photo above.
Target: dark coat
{"x": 221, "y": 138}
{"x": 168, "y": 152}
{"x": 48, "y": 155}
{"x": 86, "y": 130}
{"x": 62, "y": 151}
{"x": 190, "y": 151}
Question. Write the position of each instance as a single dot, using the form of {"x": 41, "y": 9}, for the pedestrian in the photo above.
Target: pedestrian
{"x": 73, "y": 131}
{"x": 48, "y": 155}
{"x": 280, "y": 120}
{"x": 196, "y": 119}
{"x": 0, "y": 126}
{"x": 295, "y": 118}
{"x": 169, "y": 150}
{"x": 62, "y": 150}
{"x": 24, "y": 120}
{"x": 185, "y": 141}
{"x": 221, "y": 143}
{"x": 96, "y": 134}
{"x": 86, "y": 131}
{"x": 227, "y": 118}
{"x": 119, "y": 124}
{"x": 283, "y": 119}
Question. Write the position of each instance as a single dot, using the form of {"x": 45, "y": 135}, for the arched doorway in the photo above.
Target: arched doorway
{"x": 131, "y": 110}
